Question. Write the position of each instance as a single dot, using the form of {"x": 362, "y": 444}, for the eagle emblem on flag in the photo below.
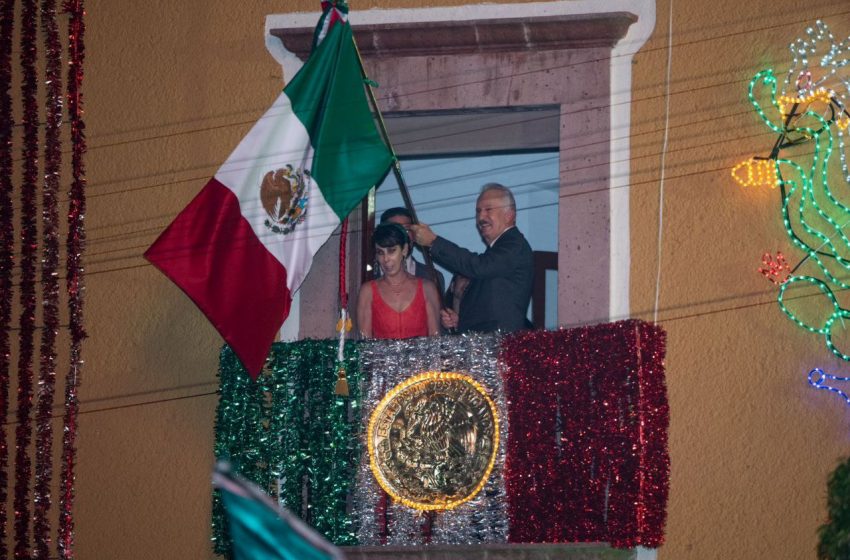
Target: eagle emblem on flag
{"x": 284, "y": 195}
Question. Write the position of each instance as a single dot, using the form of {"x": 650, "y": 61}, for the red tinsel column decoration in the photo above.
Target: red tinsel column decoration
{"x": 49, "y": 280}
{"x": 74, "y": 281}
{"x": 7, "y": 242}
{"x": 29, "y": 253}
{"x": 587, "y": 453}
{"x": 654, "y": 468}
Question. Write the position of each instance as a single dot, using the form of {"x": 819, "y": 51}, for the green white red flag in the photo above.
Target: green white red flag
{"x": 244, "y": 245}
{"x": 260, "y": 529}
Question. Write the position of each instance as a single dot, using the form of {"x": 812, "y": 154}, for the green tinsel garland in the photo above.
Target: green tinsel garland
{"x": 290, "y": 434}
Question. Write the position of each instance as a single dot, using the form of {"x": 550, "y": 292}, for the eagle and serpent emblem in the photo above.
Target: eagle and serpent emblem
{"x": 433, "y": 440}
{"x": 284, "y": 194}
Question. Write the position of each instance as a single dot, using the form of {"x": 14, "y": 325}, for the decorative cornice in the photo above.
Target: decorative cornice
{"x": 485, "y": 35}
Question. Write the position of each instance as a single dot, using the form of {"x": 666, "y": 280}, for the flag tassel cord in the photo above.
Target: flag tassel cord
{"x": 344, "y": 323}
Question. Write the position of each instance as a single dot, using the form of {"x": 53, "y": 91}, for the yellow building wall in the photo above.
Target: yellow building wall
{"x": 751, "y": 443}
{"x": 170, "y": 89}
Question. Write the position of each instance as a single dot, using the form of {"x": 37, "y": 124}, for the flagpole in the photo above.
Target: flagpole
{"x": 402, "y": 185}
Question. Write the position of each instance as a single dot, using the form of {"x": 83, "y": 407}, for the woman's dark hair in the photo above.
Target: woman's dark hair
{"x": 390, "y": 235}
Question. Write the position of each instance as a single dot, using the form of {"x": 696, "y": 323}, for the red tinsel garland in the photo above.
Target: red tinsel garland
{"x": 49, "y": 281}
{"x": 7, "y": 242}
{"x": 29, "y": 253}
{"x": 655, "y": 416}
{"x": 74, "y": 281}
{"x": 587, "y": 457}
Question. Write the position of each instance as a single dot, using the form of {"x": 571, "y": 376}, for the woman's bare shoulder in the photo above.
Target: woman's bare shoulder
{"x": 430, "y": 288}
{"x": 366, "y": 289}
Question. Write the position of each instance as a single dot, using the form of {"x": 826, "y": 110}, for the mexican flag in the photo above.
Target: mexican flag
{"x": 245, "y": 243}
{"x": 261, "y": 530}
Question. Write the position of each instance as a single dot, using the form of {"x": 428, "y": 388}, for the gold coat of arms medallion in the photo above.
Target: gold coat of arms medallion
{"x": 433, "y": 440}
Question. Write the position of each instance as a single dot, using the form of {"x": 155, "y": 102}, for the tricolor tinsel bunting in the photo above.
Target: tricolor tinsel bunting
{"x": 585, "y": 458}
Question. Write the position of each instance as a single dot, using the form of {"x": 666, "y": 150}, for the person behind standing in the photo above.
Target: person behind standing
{"x": 454, "y": 293}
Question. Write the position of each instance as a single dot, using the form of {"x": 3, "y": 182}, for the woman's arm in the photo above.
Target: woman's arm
{"x": 432, "y": 307}
{"x": 364, "y": 310}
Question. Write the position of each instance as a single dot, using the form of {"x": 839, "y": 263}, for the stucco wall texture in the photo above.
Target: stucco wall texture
{"x": 170, "y": 89}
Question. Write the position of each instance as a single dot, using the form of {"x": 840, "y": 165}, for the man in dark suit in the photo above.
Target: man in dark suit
{"x": 500, "y": 278}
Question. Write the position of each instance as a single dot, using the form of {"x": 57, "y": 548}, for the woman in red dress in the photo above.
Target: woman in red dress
{"x": 396, "y": 305}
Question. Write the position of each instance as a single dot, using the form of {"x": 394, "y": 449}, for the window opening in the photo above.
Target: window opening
{"x": 444, "y": 189}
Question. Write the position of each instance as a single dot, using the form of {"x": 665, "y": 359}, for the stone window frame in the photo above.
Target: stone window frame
{"x": 570, "y": 54}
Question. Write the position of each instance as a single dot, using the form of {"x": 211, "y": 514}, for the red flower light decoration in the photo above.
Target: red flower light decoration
{"x": 776, "y": 270}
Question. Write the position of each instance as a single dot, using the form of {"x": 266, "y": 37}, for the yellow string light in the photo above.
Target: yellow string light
{"x": 822, "y": 95}
{"x": 756, "y": 173}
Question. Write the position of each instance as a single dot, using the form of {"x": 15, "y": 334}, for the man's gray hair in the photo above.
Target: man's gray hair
{"x": 503, "y": 190}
